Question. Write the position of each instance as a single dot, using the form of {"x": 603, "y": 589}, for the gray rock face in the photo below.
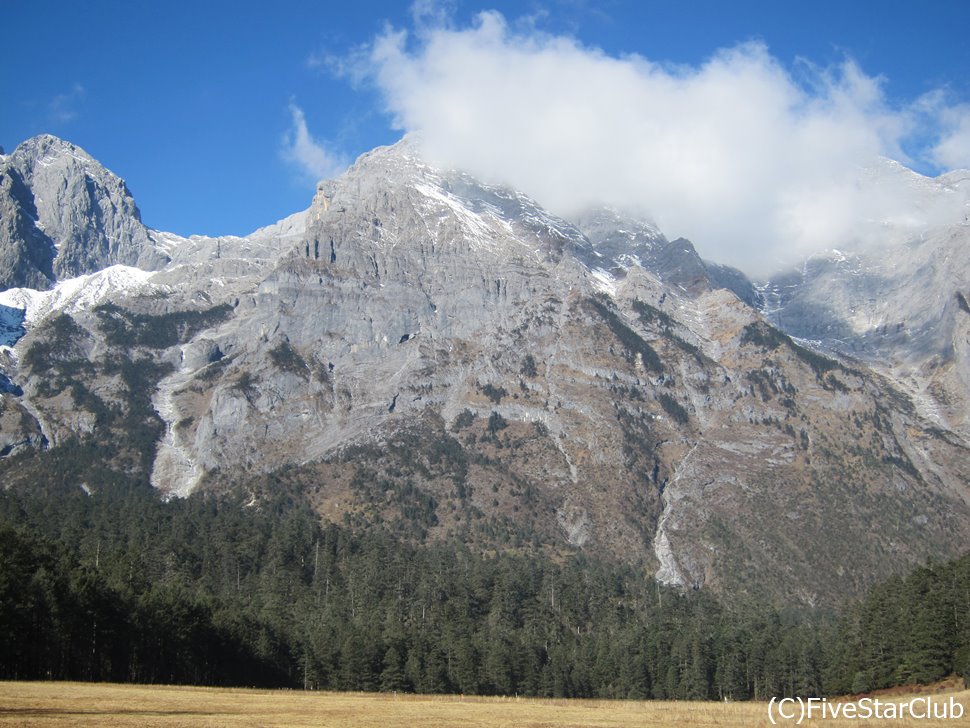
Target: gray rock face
{"x": 53, "y": 194}
{"x": 394, "y": 268}
{"x": 900, "y": 310}
{"x": 900, "y": 306}
{"x": 417, "y": 337}
{"x": 26, "y": 253}
{"x": 724, "y": 276}
{"x": 623, "y": 240}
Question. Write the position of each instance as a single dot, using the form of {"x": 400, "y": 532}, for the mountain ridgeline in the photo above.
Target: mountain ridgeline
{"x": 424, "y": 359}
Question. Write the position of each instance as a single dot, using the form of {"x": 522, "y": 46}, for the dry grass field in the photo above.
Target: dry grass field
{"x": 85, "y": 704}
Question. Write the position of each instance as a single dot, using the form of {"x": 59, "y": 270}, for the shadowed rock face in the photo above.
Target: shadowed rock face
{"x": 424, "y": 353}
{"x": 26, "y": 253}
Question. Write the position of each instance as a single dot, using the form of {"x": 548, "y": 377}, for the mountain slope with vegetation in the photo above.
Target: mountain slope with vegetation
{"x": 119, "y": 586}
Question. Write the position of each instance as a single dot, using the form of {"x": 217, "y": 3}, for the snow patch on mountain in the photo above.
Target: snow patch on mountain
{"x": 78, "y": 294}
{"x": 604, "y": 282}
{"x": 472, "y": 222}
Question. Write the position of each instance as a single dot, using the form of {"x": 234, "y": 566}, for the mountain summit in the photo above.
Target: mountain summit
{"x": 422, "y": 353}
{"x": 65, "y": 215}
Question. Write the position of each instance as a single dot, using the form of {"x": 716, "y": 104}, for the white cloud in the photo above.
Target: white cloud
{"x": 953, "y": 149}
{"x": 63, "y": 107}
{"x": 432, "y": 14}
{"x": 756, "y": 167}
{"x": 310, "y": 155}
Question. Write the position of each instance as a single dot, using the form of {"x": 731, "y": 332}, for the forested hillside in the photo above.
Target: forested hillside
{"x": 118, "y": 585}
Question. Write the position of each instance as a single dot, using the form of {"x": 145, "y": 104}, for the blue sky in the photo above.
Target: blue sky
{"x": 194, "y": 103}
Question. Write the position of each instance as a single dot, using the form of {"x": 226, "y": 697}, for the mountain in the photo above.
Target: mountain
{"x": 900, "y": 307}
{"x": 65, "y": 215}
{"x": 423, "y": 354}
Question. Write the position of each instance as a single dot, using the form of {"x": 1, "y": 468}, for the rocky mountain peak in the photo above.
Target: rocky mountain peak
{"x": 48, "y": 147}
{"x": 504, "y": 221}
{"x": 75, "y": 205}
{"x": 393, "y": 196}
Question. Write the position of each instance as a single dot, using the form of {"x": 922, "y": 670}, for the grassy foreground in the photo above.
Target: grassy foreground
{"x": 87, "y": 704}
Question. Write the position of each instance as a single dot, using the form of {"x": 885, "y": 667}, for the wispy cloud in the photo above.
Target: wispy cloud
{"x": 352, "y": 65}
{"x": 432, "y": 14}
{"x": 63, "y": 107}
{"x": 756, "y": 165}
{"x": 311, "y": 156}
{"x": 953, "y": 149}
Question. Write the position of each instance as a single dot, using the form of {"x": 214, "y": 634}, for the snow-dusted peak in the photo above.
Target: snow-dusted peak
{"x": 47, "y": 148}
{"x": 958, "y": 180}
{"x": 396, "y": 161}
{"x": 901, "y": 203}
{"x": 613, "y": 232}
{"x": 411, "y": 199}
{"x": 258, "y": 248}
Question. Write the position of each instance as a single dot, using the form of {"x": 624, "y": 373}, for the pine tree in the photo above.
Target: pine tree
{"x": 392, "y": 675}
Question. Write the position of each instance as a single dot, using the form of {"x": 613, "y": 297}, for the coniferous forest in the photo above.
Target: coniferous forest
{"x": 119, "y": 585}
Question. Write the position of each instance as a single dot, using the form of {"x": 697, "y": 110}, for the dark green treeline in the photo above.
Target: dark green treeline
{"x": 214, "y": 591}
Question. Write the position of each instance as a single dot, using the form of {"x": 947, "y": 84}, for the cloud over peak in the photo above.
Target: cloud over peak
{"x": 757, "y": 164}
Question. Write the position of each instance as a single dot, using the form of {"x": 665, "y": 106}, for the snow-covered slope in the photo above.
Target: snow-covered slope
{"x": 79, "y": 294}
